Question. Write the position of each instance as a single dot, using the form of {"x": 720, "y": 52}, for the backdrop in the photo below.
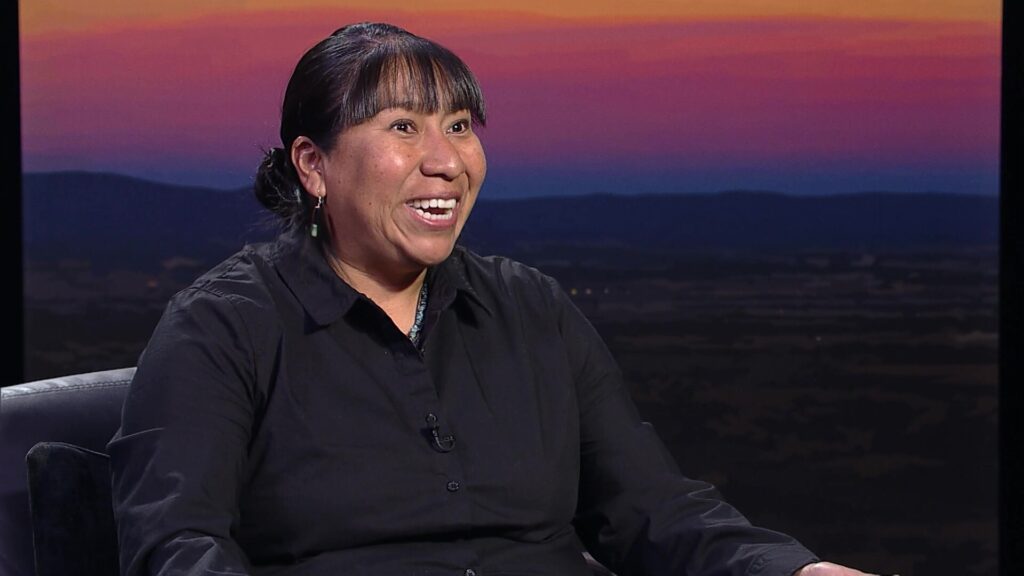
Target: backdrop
{"x": 780, "y": 215}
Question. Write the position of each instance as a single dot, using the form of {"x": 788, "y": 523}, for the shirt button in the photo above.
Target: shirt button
{"x": 470, "y": 572}
{"x": 453, "y": 486}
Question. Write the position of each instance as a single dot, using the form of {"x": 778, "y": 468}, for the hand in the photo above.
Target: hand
{"x": 827, "y": 569}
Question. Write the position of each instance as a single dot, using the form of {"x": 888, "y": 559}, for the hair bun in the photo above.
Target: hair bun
{"x": 277, "y": 186}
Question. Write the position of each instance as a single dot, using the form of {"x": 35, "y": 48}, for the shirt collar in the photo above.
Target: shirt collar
{"x": 302, "y": 266}
{"x": 301, "y": 263}
{"x": 453, "y": 272}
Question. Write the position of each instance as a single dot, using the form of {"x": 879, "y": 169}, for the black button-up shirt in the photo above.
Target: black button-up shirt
{"x": 279, "y": 423}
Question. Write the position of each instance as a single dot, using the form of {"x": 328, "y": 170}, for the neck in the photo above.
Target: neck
{"x": 396, "y": 294}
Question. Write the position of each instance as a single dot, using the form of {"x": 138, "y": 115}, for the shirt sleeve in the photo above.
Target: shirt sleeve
{"x": 636, "y": 512}
{"x": 179, "y": 457}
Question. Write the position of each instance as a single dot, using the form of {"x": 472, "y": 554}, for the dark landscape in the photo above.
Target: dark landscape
{"x": 829, "y": 362}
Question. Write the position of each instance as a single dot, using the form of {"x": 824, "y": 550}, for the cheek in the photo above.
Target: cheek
{"x": 393, "y": 163}
{"x": 476, "y": 162}
{"x": 482, "y": 165}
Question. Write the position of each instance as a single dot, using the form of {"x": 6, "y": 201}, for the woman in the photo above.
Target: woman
{"x": 364, "y": 397}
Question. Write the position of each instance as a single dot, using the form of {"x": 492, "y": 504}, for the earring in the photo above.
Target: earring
{"x": 314, "y": 229}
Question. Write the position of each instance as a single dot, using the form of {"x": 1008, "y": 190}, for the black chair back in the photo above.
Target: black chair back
{"x": 83, "y": 410}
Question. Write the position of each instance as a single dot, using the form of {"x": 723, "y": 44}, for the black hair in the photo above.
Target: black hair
{"x": 346, "y": 79}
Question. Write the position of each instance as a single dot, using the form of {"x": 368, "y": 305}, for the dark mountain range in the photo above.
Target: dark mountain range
{"x": 743, "y": 221}
{"x": 113, "y": 220}
{"x": 119, "y": 221}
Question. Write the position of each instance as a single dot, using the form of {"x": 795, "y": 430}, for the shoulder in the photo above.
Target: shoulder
{"x": 224, "y": 322}
{"x": 525, "y": 298}
{"x": 496, "y": 280}
{"x": 234, "y": 298}
{"x": 245, "y": 280}
{"x": 243, "y": 275}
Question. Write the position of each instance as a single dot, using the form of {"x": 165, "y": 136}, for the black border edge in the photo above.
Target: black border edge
{"x": 1011, "y": 300}
{"x": 1011, "y": 290}
{"x": 13, "y": 364}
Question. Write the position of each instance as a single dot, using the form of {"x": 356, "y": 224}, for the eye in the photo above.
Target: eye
{"x": 403, "y": 126}
{"x": 460, "y": 127}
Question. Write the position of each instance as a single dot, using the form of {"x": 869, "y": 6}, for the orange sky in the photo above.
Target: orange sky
{"x": 41, "y": 16}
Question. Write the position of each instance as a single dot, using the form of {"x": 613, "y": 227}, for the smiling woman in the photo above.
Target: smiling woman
{"x": 363, "y": 396}
{"x": 348, "y": 78}
{"x": 377, "y": 129}
{"x": 396, "y": 190}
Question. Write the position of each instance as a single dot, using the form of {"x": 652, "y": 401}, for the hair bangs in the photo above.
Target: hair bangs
{"x": 417, "y": 75}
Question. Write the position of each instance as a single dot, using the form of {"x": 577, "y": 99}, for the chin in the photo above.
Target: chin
{"x": 426, "y": 256}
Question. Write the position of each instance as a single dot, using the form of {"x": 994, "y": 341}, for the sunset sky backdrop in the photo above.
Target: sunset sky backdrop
{"x": 689, "y": 96}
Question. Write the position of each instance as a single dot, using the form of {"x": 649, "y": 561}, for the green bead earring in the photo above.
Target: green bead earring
{"x": 314, "y": 228}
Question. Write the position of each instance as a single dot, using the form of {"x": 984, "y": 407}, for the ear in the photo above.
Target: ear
{"x": 308, "y": 160}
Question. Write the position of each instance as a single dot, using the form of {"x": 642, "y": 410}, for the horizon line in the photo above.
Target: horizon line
{"x": 594, "y": 193}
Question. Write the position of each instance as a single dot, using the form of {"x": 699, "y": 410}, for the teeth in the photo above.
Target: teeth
{"x": 434, "y": 203}
{"x": 426, "y": 208}
{"x": 421, "y": 206}
{"x": 447, "y": 215}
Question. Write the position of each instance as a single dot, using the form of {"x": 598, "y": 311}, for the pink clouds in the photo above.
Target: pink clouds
{"x": 787, "y": 91}
{"x": 702, "y": 94}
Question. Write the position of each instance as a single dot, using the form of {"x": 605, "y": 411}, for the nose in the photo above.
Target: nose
{"x": 441, "y": 157}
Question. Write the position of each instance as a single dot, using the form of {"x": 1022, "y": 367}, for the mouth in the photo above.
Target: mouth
{"x": 434, "y": 209}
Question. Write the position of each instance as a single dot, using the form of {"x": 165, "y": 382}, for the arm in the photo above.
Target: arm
{"x": 637, "y": 513}
{"x": 179, "y": 458}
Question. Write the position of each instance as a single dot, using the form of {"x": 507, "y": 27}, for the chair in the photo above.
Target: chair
{"x": 84, "y": 411}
